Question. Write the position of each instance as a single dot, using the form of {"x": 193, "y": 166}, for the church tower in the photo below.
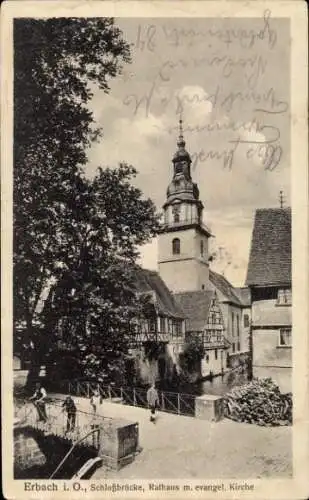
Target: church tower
{"x": 183, "y": 238}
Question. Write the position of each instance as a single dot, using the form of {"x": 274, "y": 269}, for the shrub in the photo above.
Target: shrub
{"x": 259, "y": 402}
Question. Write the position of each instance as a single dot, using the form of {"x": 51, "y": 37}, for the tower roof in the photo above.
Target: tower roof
{"x": 181, "y": 153}
{"x": 182, "y": 188}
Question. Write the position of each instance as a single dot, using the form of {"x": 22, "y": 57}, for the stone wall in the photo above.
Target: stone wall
{"x": 27, "y": 452}
{"x": 36, "y": 456}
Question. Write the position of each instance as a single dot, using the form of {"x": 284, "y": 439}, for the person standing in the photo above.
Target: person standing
{"x": 95, "y": 400}
{"x": 70, "y": 408}
{"x": 39, "y": 399}
{"x": 153, "y": 401}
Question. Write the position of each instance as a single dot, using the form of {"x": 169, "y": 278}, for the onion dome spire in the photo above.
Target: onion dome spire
{"x": 181, "y": 159}
{"x": 181, "y": 142}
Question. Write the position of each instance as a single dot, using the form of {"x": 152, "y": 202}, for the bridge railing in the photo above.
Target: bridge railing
{"x": 170, "y": 402}
{"x": 56, "y": 423}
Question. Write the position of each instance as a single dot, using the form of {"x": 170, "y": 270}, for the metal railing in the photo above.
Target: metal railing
{"x": 56, "y": 422}
{"x": 170, "y": 402}
{"x": 78, "y": 442}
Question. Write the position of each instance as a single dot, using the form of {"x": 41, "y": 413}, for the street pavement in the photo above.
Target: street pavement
{"x": 186, "y": 447}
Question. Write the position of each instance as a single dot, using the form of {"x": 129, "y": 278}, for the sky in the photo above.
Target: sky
{"x": 229, "y": 79}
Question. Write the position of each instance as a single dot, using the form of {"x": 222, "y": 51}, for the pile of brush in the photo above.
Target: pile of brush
{"x": 259, "y": 402}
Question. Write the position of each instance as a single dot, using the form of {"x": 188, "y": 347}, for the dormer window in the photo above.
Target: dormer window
{"x": 284, "y": 297}
{"x": 176, "y": 246}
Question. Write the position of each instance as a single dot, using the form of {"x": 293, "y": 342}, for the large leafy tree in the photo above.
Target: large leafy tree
{"x": 96, "y": 296}
{"x": 72, "y": 237}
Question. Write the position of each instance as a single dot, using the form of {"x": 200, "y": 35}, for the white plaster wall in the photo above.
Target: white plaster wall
{"x": 190, "y": 244}
{"x": 214, "y": 365}
{"x": 182, "y": 276}
{"x": 186, "y": 271}
{"x": 281, "y": 376}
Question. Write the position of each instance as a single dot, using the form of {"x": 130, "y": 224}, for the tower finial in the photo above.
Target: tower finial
{"x": 181, "y": 142}
{"x": 281, "y": 199}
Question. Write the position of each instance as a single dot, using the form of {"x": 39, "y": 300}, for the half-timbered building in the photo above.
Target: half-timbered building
{"x": 204, "y": 320}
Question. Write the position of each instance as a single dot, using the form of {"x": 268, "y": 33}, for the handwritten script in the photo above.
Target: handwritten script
{"x": 233, "y": 101}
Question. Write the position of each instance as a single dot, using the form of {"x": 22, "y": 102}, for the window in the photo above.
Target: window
{"x": 202, "y": 248}
{"x": 177, "y": 328}
{"x": 176, "y": 213}
{"x": 246, "y": 320}
{"x": 232, "y": 324}
{"x": 285, "y": 337}
{"x": 238, "y": 346}
{"x": 203, "y": 287}
{"x": 212, "y": 319}
{"x": 233, "y": 347}
{"x": 152, "y": 325}
{"x": 284, "y": 297}
{"x": 162, "y": 325}
{"x": 176, "y": 246}
{"x": 237, "y": 322}
{"x": 170, "y": 325}
{"x": 216, "y": 353}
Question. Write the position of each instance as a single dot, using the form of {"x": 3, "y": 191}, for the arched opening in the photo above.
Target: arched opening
{"x": 176, "y": 246}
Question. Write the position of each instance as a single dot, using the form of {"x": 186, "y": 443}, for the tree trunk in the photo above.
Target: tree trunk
{"x": 34, "y": 339}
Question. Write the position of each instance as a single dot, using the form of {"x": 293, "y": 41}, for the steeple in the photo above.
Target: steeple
{"x": 182, "y": 188}
{"x": 182, "y": 160}
{"x": 183, "y": 238}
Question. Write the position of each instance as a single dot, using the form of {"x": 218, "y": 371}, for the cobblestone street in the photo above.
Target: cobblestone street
{"x": 185, "y": 447}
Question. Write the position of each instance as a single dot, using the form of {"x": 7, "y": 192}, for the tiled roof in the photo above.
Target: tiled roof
{"x": 244, "y": 295}
{"x": 225, "y": 287}
{"x": 270, "y": 254}
{"x": 195, "y": 306}
{"x": 150, "y": 281}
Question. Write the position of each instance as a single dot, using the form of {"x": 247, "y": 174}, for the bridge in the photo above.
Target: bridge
{"x": 177, "y": 445}
{"x": 96, "y": 437}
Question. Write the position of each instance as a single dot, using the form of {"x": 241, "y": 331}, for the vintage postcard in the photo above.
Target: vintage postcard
{"x": 155, "y": 250}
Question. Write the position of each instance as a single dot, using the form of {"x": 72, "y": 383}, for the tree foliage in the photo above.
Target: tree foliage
{"x": 193, "y": 353}
{"x": 73, "y": 237}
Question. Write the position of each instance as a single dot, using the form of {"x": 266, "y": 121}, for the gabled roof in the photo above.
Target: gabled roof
{"x": 244, "y": 295}
{"x": 196, "y": 306}
{"x": 270, "y": 254}
{"x": 225, "y": 287}
{"x": 150, "y": 281}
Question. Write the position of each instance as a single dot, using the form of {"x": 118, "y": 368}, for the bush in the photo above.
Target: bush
{"x": 259, "y": 402}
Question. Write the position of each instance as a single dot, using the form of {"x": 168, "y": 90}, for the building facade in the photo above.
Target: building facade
{"x": 158, "y": 335}
{"x": 270, "y": 283}
{"x": 204, "y": 320}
